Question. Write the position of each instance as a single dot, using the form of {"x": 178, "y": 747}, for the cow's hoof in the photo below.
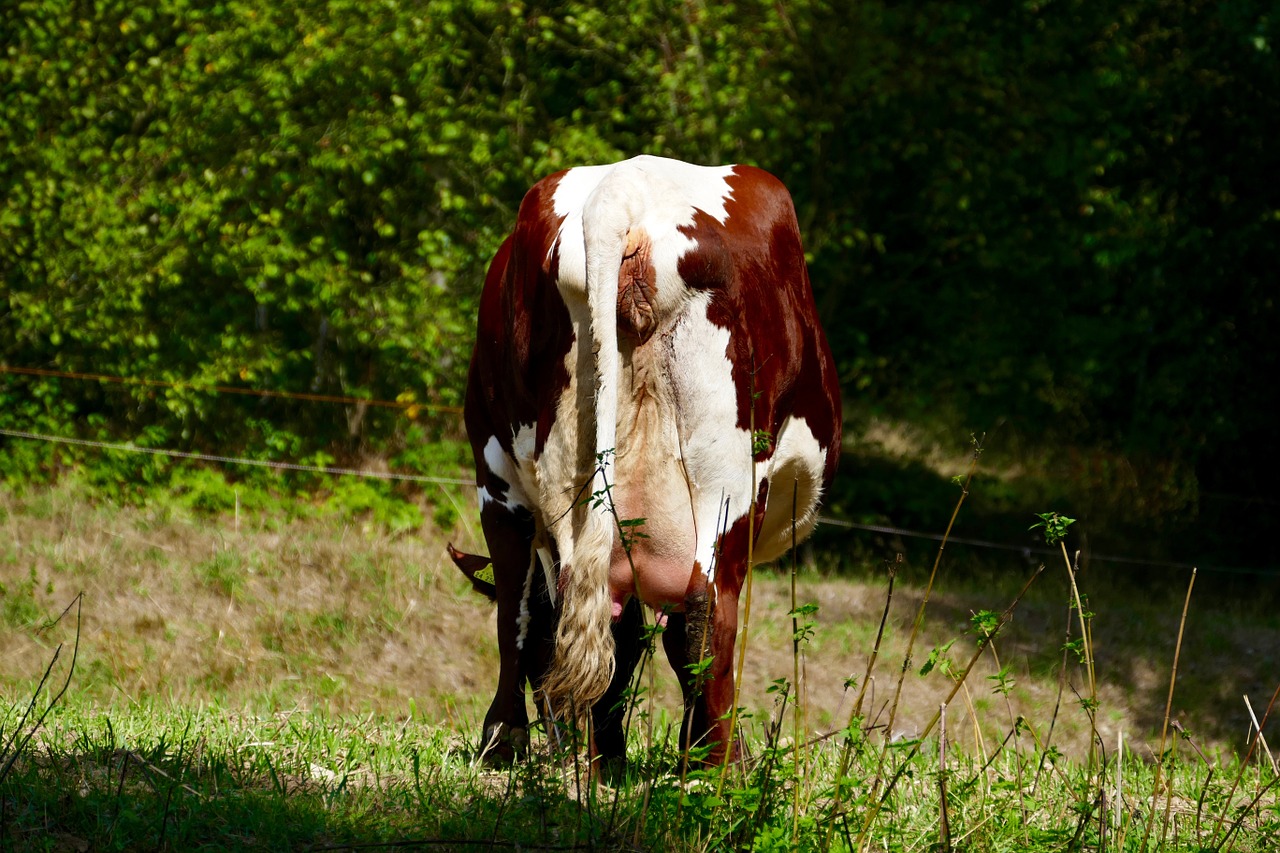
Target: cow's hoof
{"x": 519, "y": 740}
{"x": 503, "y": 745}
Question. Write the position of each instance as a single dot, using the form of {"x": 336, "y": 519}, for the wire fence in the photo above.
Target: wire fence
{"x": 237, "y": 460}
{"x": 1026, "y": 550}
{"x": 409, "y": 406}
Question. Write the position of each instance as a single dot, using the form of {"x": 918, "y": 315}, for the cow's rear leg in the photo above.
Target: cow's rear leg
{"x": 608, "y": 715}
{"x": 688, "y": 642}
{"x": 674, "y": 643}
{"x": 716, "y": 699}
{"x": 521, "y": 626}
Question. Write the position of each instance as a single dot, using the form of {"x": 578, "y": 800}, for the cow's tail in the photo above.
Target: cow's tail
{"x": 583, "y": 664}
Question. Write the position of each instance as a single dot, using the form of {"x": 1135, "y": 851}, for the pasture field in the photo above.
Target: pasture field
{"x": 315, "y": 679}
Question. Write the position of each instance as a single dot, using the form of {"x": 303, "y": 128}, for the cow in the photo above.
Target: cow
{"x": 652, "y": 405}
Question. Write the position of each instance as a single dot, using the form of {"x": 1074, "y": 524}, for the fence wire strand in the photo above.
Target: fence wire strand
{"x": 407, "y": 405}
{"x": 237, "y": 460}
{"x": 1026, "y": 550}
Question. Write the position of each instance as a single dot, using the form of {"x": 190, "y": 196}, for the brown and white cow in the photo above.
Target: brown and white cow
{"x": 647, "y": 346}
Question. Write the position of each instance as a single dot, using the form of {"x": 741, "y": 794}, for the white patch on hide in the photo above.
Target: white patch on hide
{"x": 662, "y": 194}
{"x": 517, "y": 473}
{"x": 521, "y": 477}
{"x": 501, "y": 466}
{"x": 795, "y": 473}
{"x": 716, "y": 452}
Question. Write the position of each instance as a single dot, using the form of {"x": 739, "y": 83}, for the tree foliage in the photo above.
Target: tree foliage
{"x": 1059, "y": 215}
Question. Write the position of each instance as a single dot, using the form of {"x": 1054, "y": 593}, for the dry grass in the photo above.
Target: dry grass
{"x": 272, "y": 615}
{"x": 332, "y": 612}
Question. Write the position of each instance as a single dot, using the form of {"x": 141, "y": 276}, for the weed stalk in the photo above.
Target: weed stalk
{"x": 944, "y": 824}
{"x": 915, "y": 629}
{"x": 1004, "y": 687}
{"x": 959, "y": 681}
{"x": 797, "y": 716}
{"x": 856, "y": 711}
{"x": 1266, "y": 750}
{"x": 743, "y": 632}
{"x": 1253, "y": 743}
{"x": 1117, "y": 807}
{"x": 1086, "y": 639}
{"x": 1168, "y": 706}
{"x": 1057, "y": 702}
{"x": 13, "y": 747}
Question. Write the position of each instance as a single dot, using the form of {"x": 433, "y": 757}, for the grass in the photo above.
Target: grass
{"x": 316, "y": 682}
{"x": 160, "y": 777}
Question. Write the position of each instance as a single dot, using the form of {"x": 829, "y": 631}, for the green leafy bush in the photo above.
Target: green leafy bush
{"x": 1055, "y": 217}
{"x": 353, "y": 497}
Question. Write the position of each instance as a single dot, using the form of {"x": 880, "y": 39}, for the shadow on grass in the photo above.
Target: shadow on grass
{"x": 1232, "y": 635}
{"x": 162, "y": 798}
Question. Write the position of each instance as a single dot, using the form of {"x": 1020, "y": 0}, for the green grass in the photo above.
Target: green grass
{"x": 315, "y": 680}
{"x": 161, "y": 777}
